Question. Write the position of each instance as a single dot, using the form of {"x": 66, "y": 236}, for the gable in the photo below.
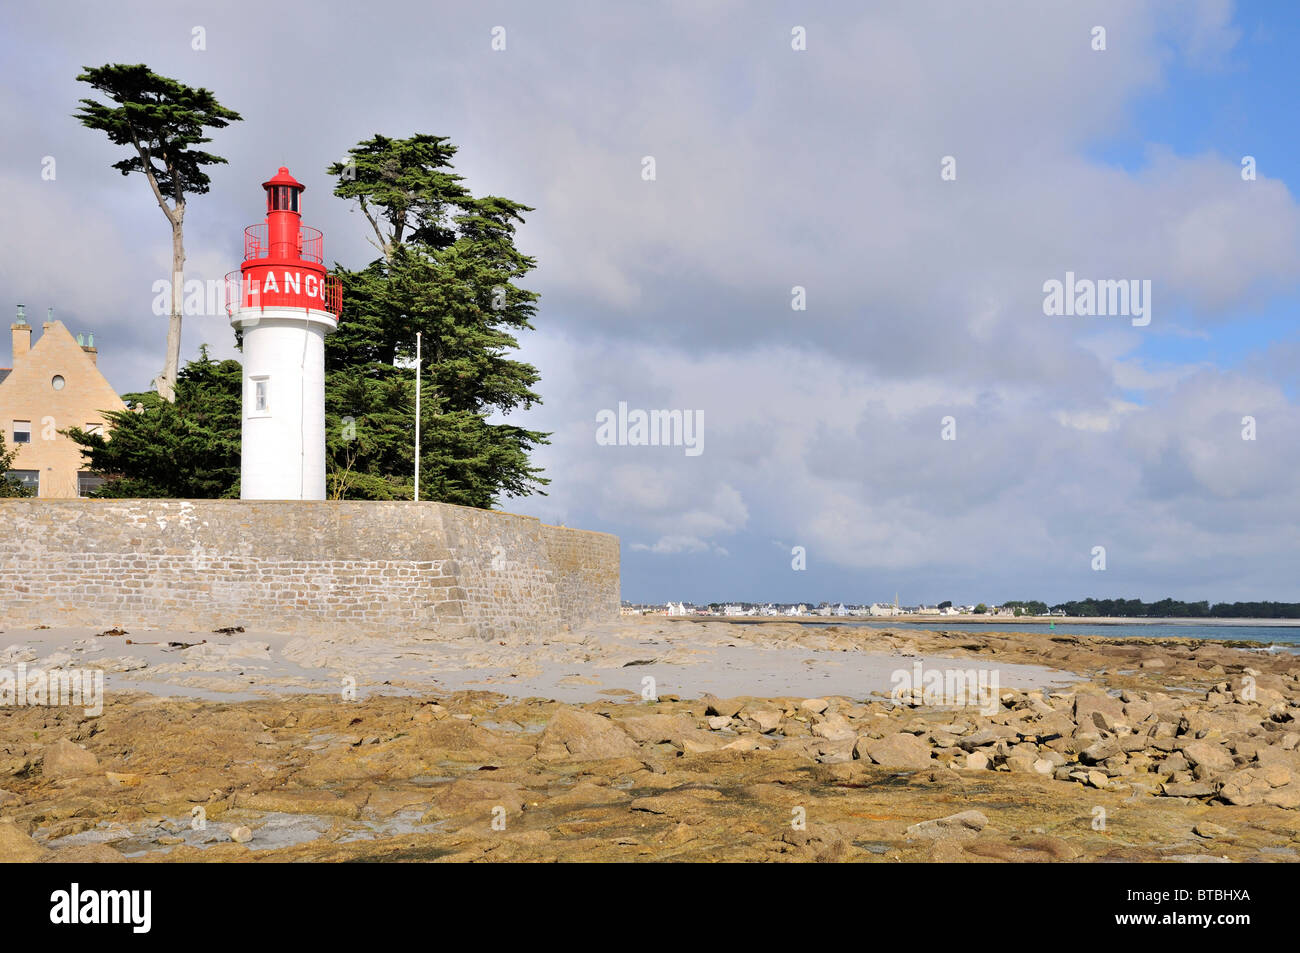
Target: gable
{"x": 28, "y": 386}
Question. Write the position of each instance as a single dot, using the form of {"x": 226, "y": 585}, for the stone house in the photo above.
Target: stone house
{"x": 54, "y": 385}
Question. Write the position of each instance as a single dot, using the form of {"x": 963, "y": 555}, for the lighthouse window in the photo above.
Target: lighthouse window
{"x": 57, "y": 382}
{"x": 261, "y": 394}
{"x": 293, "y": 200}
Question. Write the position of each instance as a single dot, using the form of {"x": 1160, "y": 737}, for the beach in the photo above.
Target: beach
{"x": 649, "y": 738}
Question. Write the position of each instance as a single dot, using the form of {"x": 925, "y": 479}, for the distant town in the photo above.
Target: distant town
{"x": 1020, "y": 608}
{"x": 875, "y": 610}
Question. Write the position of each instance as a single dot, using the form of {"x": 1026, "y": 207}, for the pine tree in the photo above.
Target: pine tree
{"x": 162, "y": 120}
{"x": 188, "y": 449}
{"x": 447, "y": 270}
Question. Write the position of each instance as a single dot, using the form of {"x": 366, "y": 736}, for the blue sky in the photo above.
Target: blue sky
{"x": 1240, "y": 103}
{"x": 779, "y": 168}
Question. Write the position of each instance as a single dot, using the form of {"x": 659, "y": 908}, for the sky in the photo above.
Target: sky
{"x": 920, "y": 170}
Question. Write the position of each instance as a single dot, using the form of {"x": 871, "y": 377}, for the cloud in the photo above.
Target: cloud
{"x": 775, "y": 169}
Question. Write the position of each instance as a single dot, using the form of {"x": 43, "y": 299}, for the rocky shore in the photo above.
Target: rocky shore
{"x": 1179, "y": 750}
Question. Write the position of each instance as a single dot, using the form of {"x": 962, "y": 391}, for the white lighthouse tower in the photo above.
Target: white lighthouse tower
{"x": 284, "y": 303}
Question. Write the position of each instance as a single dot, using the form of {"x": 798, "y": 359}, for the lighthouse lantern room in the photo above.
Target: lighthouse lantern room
{"x": 284, "y": 303}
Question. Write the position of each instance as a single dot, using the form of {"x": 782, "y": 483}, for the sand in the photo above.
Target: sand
{"x": 683, "y": 659}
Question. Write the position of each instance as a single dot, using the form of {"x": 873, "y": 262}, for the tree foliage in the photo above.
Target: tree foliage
{"x": 10, "y": 487}
{"x": 404, "y": 188}
{"x": 164, "y": 122}
{"x": 448, "y": 271}
{"x": 188, "y": 449}
{"x": 1166, "y": 609}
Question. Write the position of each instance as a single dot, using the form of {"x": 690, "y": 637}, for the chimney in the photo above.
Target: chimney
{"x": 92, "y": 352}
{"x": 22, "y": 335}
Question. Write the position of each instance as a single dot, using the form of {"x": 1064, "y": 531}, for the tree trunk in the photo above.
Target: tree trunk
{"x": 166, "y": 382}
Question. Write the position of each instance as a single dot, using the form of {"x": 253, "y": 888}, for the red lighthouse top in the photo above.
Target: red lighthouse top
{"x": 282, "y": 191}
{"x": 283, "y": 258}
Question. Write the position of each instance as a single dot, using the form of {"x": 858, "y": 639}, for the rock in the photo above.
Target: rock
{"x": 8, "y": 797}
{"x": 835, "y": 728}
{"x": 1209, "y": 830}
{"x": 123, "y": 780}
{"x": 1024, "y": 849}
{"x": 1173, "y": 764}
{"x": 586, "y": 794}
{"x": 966, "y": 823}
{"x": 761, "y": 719}
{"x": 63, "y": 759}
{"x": 1097, "y": 709}
{"x": 674, "y": 803}
{"x": 84, "y": 854}
{"x": 988, "y": 736}
{"x": 1275, "y": 774}
{"x": 473, "y": 796}
{"x": 1187, "y": 789}
{"x": 17, "y": 847}
{"x": 297, "y": 801}
{"x": 1244, "y": 788}
{"x": 241, "y": 834}
{"x": 724, "y": 706}
{"x": 1099, "y": 751}
{"x": 1137, "y": 711}
{"x": 977, "y": 761}
{"x": 578, "y": 735}
{"x": 814, "y": 705}
{"x": 1213, "y": 757}
{"x": 1021, "y": 764}
{"x": 1044, "y": 766}
{"x": 1055, "y": 725}
{"x": 895, "y": 751}
{"x": 1287, "y": 796}
{"x": 1097, "y": 779}
{"x": 835, "y": 752}
{"x": 718, "y": 722}
{"x": 1273, "y": 754}
{"x": 699, "y": 740}
{"x": 656, "y": 729}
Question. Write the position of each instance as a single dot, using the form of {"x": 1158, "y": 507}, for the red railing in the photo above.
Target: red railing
{"x": 241, "y": 294}
{"x": 333, "y": 295}
{"x": 309, "y": 244}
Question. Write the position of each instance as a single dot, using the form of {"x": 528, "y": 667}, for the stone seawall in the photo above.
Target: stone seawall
{"x": 284, "y": 566}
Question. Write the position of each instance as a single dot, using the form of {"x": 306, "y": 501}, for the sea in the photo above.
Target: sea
{"x": 1275, "y": 638}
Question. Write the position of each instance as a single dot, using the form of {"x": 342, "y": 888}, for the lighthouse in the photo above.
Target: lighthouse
{"x": 284, "y": 304}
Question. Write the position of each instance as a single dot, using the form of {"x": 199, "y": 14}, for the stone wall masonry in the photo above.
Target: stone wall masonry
{"x": 300, "y": 567}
